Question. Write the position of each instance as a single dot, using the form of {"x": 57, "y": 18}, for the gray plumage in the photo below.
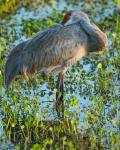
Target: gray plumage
{"x": 56, "y": 48}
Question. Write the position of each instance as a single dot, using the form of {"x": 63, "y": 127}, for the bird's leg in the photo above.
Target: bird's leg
{"x": 58, "y": 87}
{"x": 62, "y": 94}
{"x": 59, "y": 95}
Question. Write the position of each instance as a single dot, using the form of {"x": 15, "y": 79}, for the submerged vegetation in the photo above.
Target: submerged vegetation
{"x": 28, "y": 119}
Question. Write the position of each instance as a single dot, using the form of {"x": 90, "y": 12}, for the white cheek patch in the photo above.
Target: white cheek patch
{"x": 69, "y": 22}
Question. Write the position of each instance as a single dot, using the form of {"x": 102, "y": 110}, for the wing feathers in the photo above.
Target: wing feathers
{"x": 13, "y": 64}
{"x": 49, "y": 48}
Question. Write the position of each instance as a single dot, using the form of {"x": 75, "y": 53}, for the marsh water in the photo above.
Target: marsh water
{"x": 28, "y": 118}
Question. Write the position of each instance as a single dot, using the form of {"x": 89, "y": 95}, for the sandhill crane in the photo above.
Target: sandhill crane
{"x": 56, "y": 48}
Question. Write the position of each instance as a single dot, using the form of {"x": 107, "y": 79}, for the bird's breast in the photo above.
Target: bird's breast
{"x": 81, "y": 53}
{"x": 75, "y": 54}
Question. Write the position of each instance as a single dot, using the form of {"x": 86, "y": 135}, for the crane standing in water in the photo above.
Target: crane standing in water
{"x": 55, "y": 49}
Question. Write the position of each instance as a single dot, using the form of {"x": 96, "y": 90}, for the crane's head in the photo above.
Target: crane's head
{"x": 96, "y": 38}
{"x": 74, "y": 17}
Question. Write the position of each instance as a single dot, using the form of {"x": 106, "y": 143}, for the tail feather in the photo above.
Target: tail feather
{"x": 13, "y": 64}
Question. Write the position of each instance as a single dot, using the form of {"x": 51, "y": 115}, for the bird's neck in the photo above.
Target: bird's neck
{"x": 97, "y": 40}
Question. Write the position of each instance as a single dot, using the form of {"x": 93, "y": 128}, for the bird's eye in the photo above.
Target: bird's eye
{"x": 66, "y": 18}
